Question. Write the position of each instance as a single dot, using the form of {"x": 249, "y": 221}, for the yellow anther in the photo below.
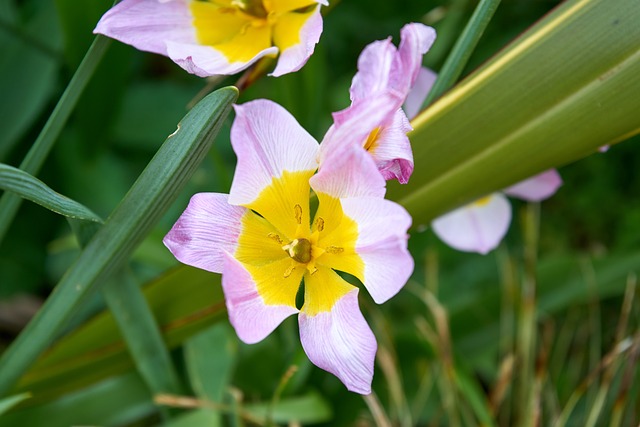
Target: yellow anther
{"x": 297, "y": 209}
{"x": 275, "y": 237}
{"x": 289, "y": 270}
{"x": 320, "y": 224}
{"x": 334, "y": 249}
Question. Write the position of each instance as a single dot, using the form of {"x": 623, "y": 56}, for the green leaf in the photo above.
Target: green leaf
{"x": 31, "y": 188}
{"x": 141, "y": 333}
{"x": 149, "y": 197}
{"x": 11, "y": 401}
{"x": 116, "y": 401}
{"x": 184, "y": 301}
{"x": 210, "y": 357}
{"x": 566, "y": 87}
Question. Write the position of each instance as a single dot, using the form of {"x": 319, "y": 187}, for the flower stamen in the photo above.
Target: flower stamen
{"x": 297, "y": 209}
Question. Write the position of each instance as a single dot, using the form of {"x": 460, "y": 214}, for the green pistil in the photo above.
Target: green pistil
{"x": 299, "y": 250}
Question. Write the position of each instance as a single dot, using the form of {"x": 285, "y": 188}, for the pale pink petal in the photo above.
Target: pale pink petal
{"x": 354, "y": 124}
{"x": 374, "y": 68}
{"x": 148, "y": 24}
{"x": 415, "y": 40}
{"x": 268, "y": 141}
{"x": 381, "y": 244}
{"x": 476, "y": 227}
{"x": 294, "y": 57}
{"x": 604, "y": 148}
{"x": 252, "y": 319}
{"x": 205, "y": 61}
{"x": 207, "y": 229}
{"x": 536, "y": 188}
{"x": 417, "y": 95}
{"x": 392, "y": 149}
{"x": 349, "y": 172}
{"x": 341, "y": 342}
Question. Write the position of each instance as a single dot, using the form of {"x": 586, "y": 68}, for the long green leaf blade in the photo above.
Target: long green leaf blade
{"x": 31, "y": 188}
{"x": 158, "y": 185}
{"x": 11, "y": 401}
{"x": 566, "y": 87}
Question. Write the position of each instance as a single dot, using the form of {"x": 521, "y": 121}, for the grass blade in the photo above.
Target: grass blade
{"x": 463, "y": 48}
{"x": 11, "y": 401}
{"x": 30, "y": 188}
{"x": 9, "y": 203}
{"x": 149, "y": 197}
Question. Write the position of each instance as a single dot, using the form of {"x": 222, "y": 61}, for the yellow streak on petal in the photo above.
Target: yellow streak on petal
{"x": 338, "y": 239}
{"x": 287, "y": 28}
{"x": 281, "y": 6}
{"x": 239, "y": 37}
{"x": 322, "y": 290}
{"x": 277, "y": 204}
{"x": 278, "y": 282}
{"x": 372, "y": 140}
{"x": 483, "y": 201}
{"x": 259, "y": 242}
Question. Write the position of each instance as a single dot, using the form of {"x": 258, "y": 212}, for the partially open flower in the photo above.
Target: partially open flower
{"x": 265, "y": 240}
{"x": 209, "y": 37}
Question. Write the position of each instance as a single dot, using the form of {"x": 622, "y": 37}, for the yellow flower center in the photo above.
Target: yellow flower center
{"x": 299, "y": 250}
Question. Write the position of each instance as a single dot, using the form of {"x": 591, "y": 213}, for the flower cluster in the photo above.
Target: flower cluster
{"x": 266, "y": 240}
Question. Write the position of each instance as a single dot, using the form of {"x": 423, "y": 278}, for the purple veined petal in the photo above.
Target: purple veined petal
{"x": 381, "y": 244}
{"x": 148, "y": 24}
{"x": 349, "y": 172}
{"x": 294, "y": 57}
{"x": 205, "y": 61}
{"x": 391, "y": 149}
{"x": 374, "y": 68}
{"x": 252, "y": 319}
{"x": 536, "y": 188}
{"x": 340, "y": 342}
{"x": 419, "y": 92}
{"x": 268, "y": 141}
{"x": 476, "y": 227}
{"x": 208, "y": 228}
{"x": 415, "y": 40}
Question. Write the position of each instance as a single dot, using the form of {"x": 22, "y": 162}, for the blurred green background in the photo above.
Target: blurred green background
{"x": 589, "y": 233}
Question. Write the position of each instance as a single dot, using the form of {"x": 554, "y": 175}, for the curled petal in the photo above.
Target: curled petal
{"x": 268, "y": 142}
{"x": 249, "y": 311}
{"x": 417, "y": 95}
{"x": 537, "y": 188}
{"x": 381, "y": 244}
{"x": 476, "y": 227}
{"x": 208, "y": 228}
{"x": 391, "y": 149}
{"x": 375, "y": 65}
{"x": 296, "y": 49}
{"x": 415, "y": 40}
{"x": 340, "y": 341}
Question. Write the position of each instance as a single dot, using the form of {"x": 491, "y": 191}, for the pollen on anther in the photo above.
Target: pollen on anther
{"x": 334, "y": 249}
{"x": 320, "y": 223}
{"x": 288, "y": 271}
{"x": 297, "y": 210}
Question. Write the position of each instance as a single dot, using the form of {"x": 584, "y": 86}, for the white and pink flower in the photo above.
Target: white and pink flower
{"x": 211, "y": 37}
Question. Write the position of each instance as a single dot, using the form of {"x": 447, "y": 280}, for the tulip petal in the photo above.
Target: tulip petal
{"x": 208, "y": 228}
{"x": 417, "y": 95}
{"x": 338, "y": 340}
{"x": 415, "y": 40}
{"x": 250, "y": 312}
{"x": 268, "y": 142}
{"x": 148, "y": 24}
{"x": 349, "y": 172}
{"x": 391, "y": 149}
{"x": 476, "y": 227}
{"x": 537, "y": 188}
{"x": 381, "y": 244}
{"x": 296, "y": 35}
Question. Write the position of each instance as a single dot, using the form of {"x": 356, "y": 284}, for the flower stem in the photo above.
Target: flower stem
{"x": 463, "y": 48}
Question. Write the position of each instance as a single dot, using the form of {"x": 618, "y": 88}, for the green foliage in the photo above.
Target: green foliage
{"x": 546, "y": 325}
